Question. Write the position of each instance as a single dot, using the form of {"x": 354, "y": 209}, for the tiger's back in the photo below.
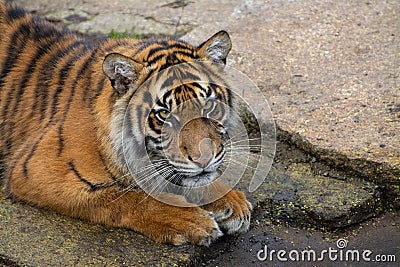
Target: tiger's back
{"x": 44, "y": 69}
{"x": 62, "y": 104}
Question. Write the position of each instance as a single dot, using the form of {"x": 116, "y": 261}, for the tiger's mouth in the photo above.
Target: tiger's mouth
{"x": 192, "y": 179}
{"x": 198, "y": 176}
{"x": 201, "y": 179}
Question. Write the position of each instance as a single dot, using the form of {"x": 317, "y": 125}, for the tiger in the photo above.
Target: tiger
{"x": 75, "y": 120}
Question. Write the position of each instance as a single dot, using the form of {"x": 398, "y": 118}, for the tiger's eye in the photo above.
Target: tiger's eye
{"x": 163, "y": 114}
{"x": 208, "y": 105}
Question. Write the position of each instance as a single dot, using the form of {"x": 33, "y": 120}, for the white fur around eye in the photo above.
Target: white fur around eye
{"x": 209, "y": 107}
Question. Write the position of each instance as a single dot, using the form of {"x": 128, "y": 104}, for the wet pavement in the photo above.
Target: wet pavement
{"x": 266, "y": 236}
{"x": 330, "y": 71}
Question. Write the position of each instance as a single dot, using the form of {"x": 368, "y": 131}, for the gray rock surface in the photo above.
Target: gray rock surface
{"x": 135, "y": 16}
{"x": 330, "y": 70}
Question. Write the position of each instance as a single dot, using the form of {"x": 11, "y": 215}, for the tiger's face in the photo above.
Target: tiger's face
{"x": 177, "y": 110}
{"x": 186, "y": 131}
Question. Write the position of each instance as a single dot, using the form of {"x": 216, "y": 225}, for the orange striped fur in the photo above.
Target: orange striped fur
{"x": 62, "y": 100}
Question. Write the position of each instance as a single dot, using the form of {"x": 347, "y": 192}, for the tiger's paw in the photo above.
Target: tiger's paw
{"x": 185, "y": 225}
{"x": 201, "y": 230}
{"x": 232, "y": 212}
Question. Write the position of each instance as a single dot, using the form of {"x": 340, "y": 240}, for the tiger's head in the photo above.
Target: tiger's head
{"x": 173, "y": 110}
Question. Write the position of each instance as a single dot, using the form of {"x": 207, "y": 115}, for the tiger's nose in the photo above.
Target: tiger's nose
{"x": 202, "y": 162}
{"x": 206, "y": 148}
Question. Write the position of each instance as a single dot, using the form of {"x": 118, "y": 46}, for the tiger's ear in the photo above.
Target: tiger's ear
{"x": 122, "y": 71}
{"x": 216, "y": 48}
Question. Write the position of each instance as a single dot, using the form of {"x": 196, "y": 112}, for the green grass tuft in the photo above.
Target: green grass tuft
{"x": 119, "y": 35}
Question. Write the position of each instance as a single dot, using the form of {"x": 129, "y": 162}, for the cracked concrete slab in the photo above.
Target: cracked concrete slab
{"x": 135, "y": 16}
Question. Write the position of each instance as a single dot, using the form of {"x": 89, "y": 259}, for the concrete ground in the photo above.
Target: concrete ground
{"x": 330, "y": 71}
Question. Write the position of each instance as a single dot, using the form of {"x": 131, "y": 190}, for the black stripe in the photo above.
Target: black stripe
{"x": 128, "y": 122}
{"x": 30, "y": 70}
{"x": 93, "y": 187}
{"x": 178, "y": 103}
{"x": 108, "y": 171}
{"x": 201, "y": 88}
{"x": 174, "y": 73}
{"x": 164, "y": 99}
{"x": 54, "y": 103}
{"x": 60, "y": 139}
{"x": 208, "y": 92}
{"x": 168, "y": 63}
{"x": 44, "y": 30}
{"x": 163, "y": 45}
{"x": 178, "y": 45}
{"x": 148, "y": 99}
{"x": 190, "y": 88}
{"x": 153, "y": 139}
{"x": 15, "y": 12}
{"x": 153, "y": 126}
{"x": 161, "y": 104}
{"x": 48, "y": 69}
{"x": 157, "y": 58}
{"x": 143, "y": 46}
{"x": 188, "y": 54}
{"x": 229, "y": 96}
{"x": 22, "y": 151}
{"x": 100, "y": 87}
{"x": 62, "y": 77}
{"x": 72, "y": 167}
{"x": 168, "y": 143}
{"x": 153, "y": 51}
{"x": 46, "y": 74}
{"x": 183, "y": 47}
{"x": 30, "y": 155}
{"x": 13, "y": 51}
{"x": 139, "y": 115}
{"x": 8, "y": 127}
{"x": 38, "y": 96}
{"x": 191, "y": 76}
{"x": 178, "y": 90}
{"x": 219, "y": 155}
{"x": 167, "y": 83}
{"x": 105, "y": 166}
{"x": 8, "y": 144}
{"x": 77, "y": 78}
{"x": 170, "y": 49}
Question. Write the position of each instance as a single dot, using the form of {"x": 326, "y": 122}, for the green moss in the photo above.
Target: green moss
{"x": 119, "y": 35}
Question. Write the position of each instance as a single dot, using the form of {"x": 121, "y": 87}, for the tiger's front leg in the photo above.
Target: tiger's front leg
{"x": 74, "y": 189}
{"x": 135, "y": 210}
